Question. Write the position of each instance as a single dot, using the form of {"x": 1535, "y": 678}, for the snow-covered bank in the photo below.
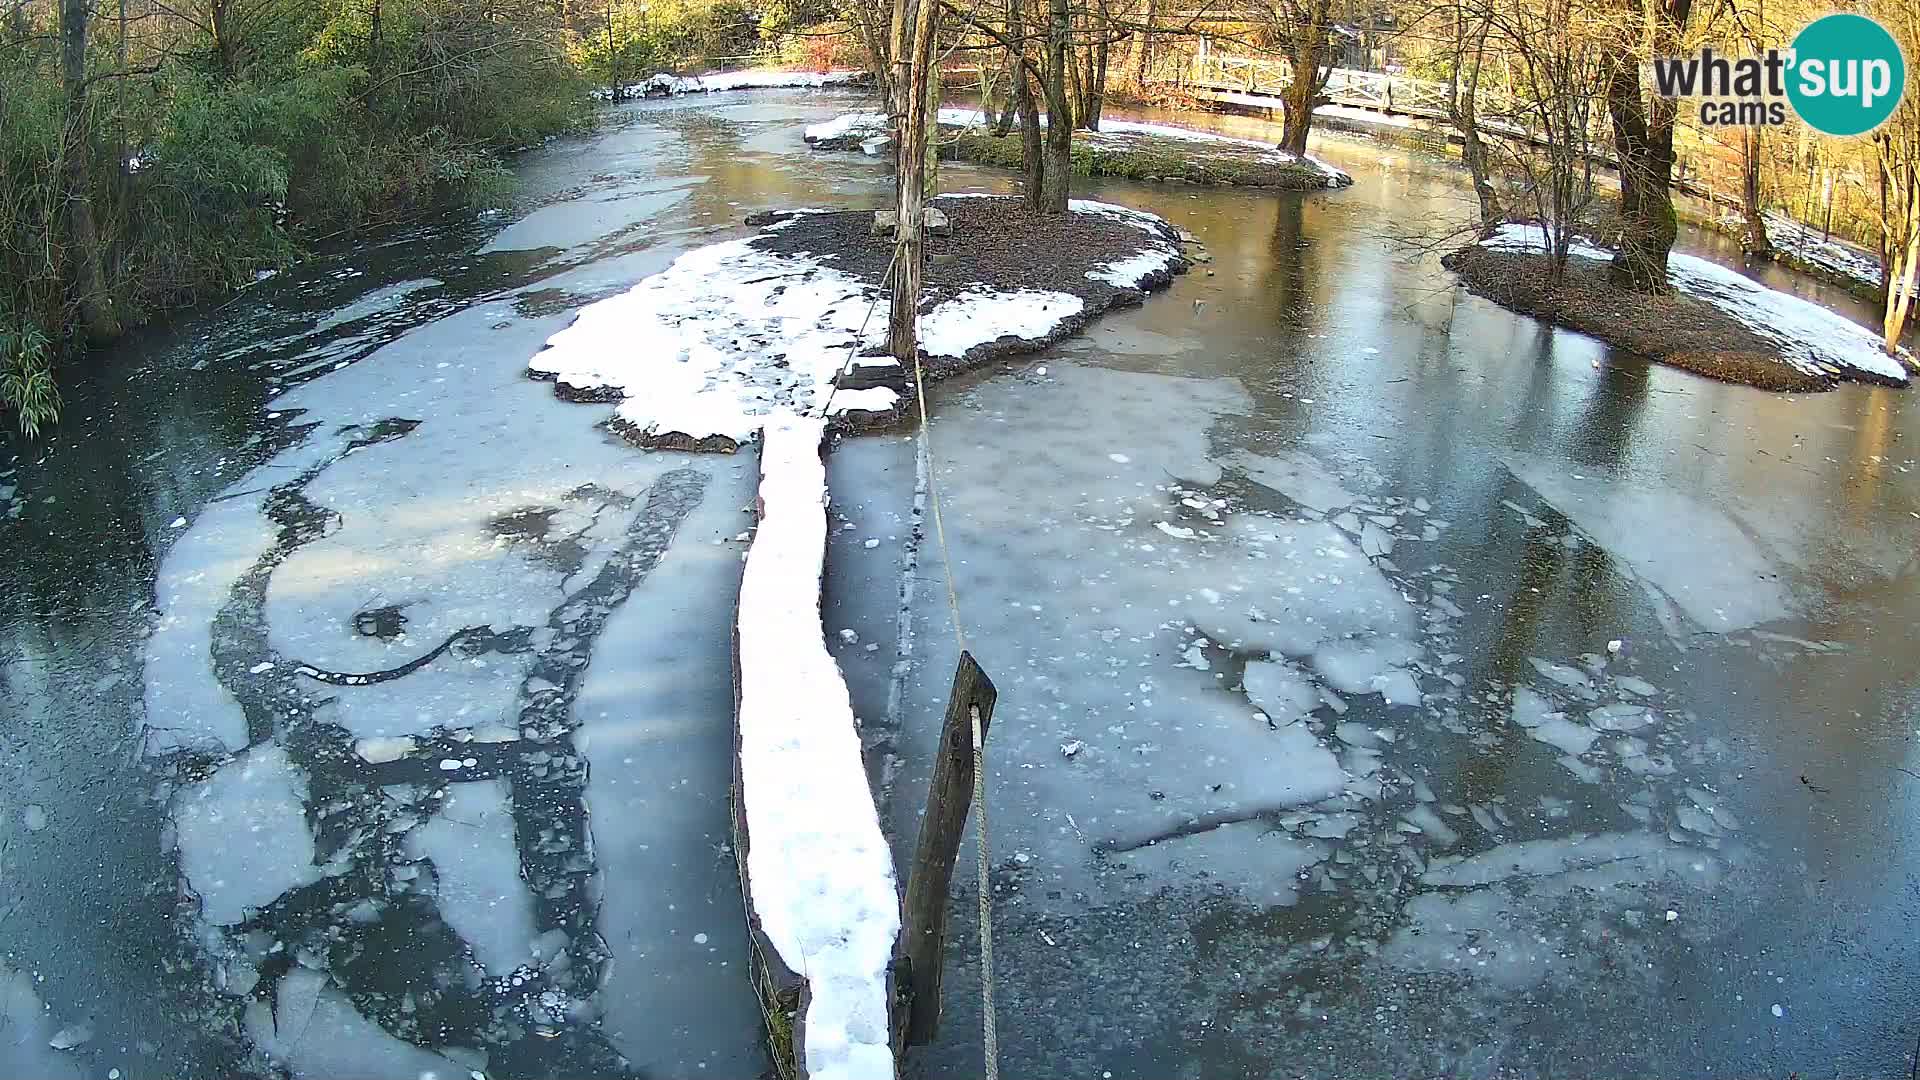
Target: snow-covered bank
{"x": 1810, "y": 338}
{"x": 1805, "y": 248}
{"x": 666, "y": 85}
{"x": 819, "y": 879}
{"x": 737, "y": 335}
{"x": 1115, "y": 137}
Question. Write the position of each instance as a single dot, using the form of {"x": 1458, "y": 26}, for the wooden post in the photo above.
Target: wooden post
{"x": 949, "y": 797}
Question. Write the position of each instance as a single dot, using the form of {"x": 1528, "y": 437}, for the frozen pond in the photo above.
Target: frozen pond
{"x": 1389, "y": 685}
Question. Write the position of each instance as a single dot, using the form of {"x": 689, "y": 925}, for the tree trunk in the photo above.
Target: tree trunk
{"x": 1031, "y": 158}
{"x": 1057, "y": 178}
{"x": 1143, "y": 47}
{"x": 1015, "y": 76}
{"x": 1901, "y": 271}
{"x": 1756, "y": 241}
{"x": 1097, "y": 88}
{"x": 89, "y": 291}
{"x": 1643, "y": 142}
{"x": 1465, "y": 115}
{"x": 1307, "y": 53}
{"x": 913, "y": 145}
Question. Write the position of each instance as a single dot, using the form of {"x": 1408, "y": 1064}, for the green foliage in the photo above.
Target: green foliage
{"x": 628, "y": 40}
{"x": 239, "y": 138}
{"x": 26, "y": 375}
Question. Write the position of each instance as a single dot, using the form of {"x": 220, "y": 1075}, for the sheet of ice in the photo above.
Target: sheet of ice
{"x": 186, "y": 706}
{"x": 1297, "y": 475}
{"x": 243, "y": 834}
{"x": 1250, "y": 859}
{"x": 316, "y": 1033}
{"x": 1280, "y": 690}
{"x": 1692, "y": 551}
{"x": 26, "y": 1031}
{"x": 1314, "y": 585}
{"x": 1810, "y": 337}
{"x": 1515, "y": 937}
{"x": 481, "y": 895}
{"x": 819, "y": 872}
{"x": 656, "y": 731}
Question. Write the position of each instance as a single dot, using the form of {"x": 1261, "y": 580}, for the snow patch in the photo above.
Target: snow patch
{"x": 713, "y": 82}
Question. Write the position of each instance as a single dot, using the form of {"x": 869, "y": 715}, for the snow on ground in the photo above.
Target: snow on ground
{"x": 819, "y": 873}
{"x": 471, "y": 844}
{"x": 1810, "y": 337}
{"x": 1827, "y": 253}
{"x": 1693, "y": 553}
{"x": 751, "y": 79}
{"x": 868, "y": 124}
{"x": 731, "y": 337}
{"x": 243, "y": 834}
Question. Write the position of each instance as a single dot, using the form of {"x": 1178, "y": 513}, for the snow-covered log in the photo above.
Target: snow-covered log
{"x": 815, "y": 871}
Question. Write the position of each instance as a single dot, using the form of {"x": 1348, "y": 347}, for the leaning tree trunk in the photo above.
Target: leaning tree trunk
{"x": 89, "y": 292}
{"x": 1463, "y": 110}
{"x": 1307, "y": 53}
{"x": 1057, "y": 177}
{"x": 1756, "y": 241}
{"x": 1016, "y": 77}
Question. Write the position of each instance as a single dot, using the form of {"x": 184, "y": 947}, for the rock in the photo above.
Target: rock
{"x": 884, "y": 222}
{"x": 875, "y": 146}
{"x": 942, "y": 258}
{"x": 935, "y": 222}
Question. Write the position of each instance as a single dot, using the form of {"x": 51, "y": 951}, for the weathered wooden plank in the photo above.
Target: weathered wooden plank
{"x": 949, "y": 797}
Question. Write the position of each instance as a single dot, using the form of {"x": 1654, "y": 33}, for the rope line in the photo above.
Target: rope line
{"x": 989, "y": 1029}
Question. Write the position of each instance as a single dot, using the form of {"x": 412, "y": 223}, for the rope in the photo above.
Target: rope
{"x": 846, "y": 366}
{"x": 989, "y": 1030}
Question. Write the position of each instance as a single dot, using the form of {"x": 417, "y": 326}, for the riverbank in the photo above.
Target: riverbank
{"x": 1127, "y": 150}
{"x": 1715, "y": 323}
{"x": 789, "y": 321}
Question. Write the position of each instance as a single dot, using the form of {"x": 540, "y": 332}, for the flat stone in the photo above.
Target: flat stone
{"x": 884, "y": 222}
{"x": 936, "y": 223}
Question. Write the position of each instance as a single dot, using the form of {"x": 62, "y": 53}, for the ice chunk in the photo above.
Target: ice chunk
{"x": 1369, "y": 666}
{"x": 1621, "y": 717}
{"x": 1694, "y": 552}
{"x": 1280, "y": 690}
{"x": 471, "y": 844}
{"x": 1530, "y": 708}
{"x": 243, "y": 834}
{"x": 1560, "y": 673}
{"x": 1247, "y": 858}
{"x": 1422, "y": 817}
{"x": 1564, "y": 735}
{"x": 329, "y": 1039}
{"x": 1297, "y": 475}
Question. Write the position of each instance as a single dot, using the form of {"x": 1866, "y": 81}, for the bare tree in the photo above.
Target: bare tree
{"x": 83, "y": 236}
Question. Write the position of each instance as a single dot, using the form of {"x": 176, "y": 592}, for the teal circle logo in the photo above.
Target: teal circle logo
{"x": 1847, "y": 75}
